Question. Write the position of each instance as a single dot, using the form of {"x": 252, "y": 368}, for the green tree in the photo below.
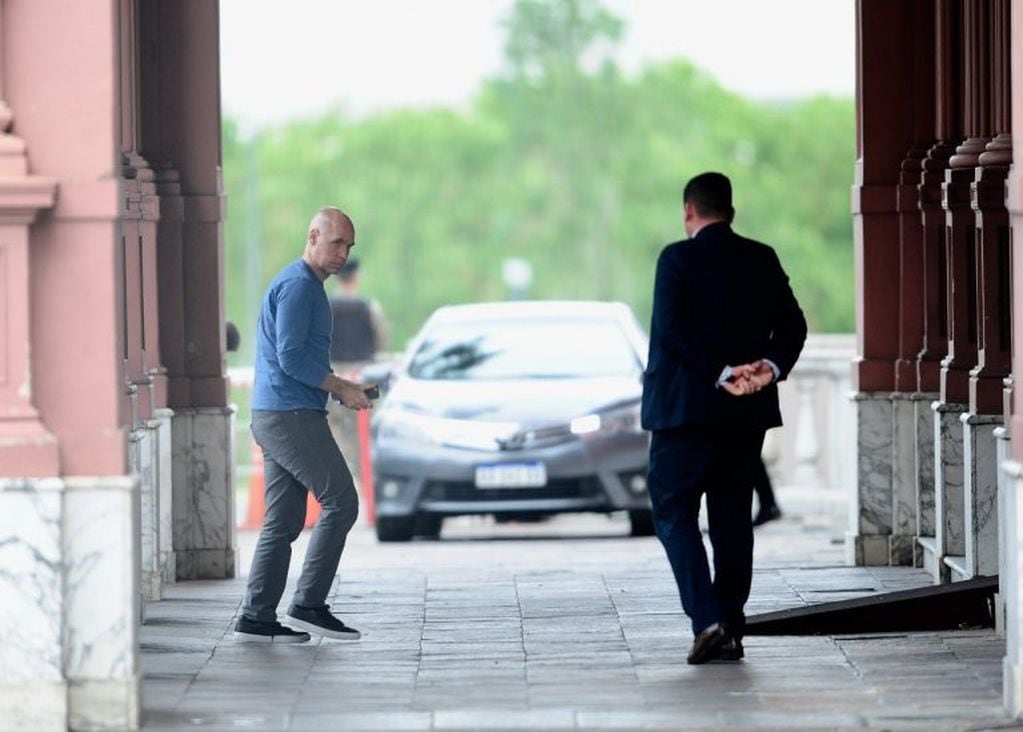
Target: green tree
{"x": 562, "y": 160}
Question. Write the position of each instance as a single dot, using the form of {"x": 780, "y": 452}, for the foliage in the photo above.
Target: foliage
{"x": 563, "y": 161}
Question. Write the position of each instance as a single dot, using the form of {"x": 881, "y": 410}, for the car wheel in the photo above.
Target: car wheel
{"x": 428, "y": 526}
{"x": 641, "y": 523}
{"x": 390, "y": 528}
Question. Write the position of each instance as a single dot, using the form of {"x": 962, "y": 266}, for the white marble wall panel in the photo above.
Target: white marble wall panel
{"x": 980, "y": 493}
{"x": 100, "y": 539}
{"x": 164, "y": 473}
{"x": 203, "y": 503}
{"x": 949, "y": 509}
{"x": 142, "y": 444}
{"x": 34, "y": 706}
{"x": 102, "y": 547}
{"x": 1003, "y": 448}
{"x": 1011, "y": 587}
{"x": 871, "y": 510}
{"x": 924, "y": 463}
{"x": 69, "y": 563}
{"x": 31, "y": 601}
{"x": 904, "y": 480}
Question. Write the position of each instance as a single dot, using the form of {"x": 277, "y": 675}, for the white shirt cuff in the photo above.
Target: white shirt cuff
{"x": 727, "y": 372}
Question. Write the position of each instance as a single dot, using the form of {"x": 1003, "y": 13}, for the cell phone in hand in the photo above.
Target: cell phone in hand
{"x": 372, "y": 392}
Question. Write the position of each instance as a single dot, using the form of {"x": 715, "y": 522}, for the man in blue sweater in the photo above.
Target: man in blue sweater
{"x": 289, "y": 421}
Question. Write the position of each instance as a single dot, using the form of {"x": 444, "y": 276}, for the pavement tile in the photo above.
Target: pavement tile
{"x": 506, "y": 719}
{"x": 638, "y": 720}
{"x": 558, "y": 627}
{"x": 183, "y": 720}
{"x": 377, "y": 721}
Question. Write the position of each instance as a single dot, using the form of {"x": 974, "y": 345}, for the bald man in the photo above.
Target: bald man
{"x": 289, "y": 422}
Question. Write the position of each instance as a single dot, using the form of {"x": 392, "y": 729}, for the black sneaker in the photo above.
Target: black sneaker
{"x": 261, "y": 631}
{"x": 319, "y": 620}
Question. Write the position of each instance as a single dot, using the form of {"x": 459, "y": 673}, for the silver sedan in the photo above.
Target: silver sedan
{"x": 513, "y": 409}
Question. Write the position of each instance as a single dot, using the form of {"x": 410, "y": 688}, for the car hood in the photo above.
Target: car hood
{"x": 528, "y": 402}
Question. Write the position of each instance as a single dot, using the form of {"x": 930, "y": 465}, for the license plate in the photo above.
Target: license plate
{"x": 511, "y": 475}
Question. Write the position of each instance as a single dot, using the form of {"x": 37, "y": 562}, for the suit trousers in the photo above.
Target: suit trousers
{"x": 299, "y": 455}
{"x": 687, "y": 463}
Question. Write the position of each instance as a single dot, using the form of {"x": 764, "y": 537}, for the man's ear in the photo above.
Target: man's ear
{"x": 314, "y": 234}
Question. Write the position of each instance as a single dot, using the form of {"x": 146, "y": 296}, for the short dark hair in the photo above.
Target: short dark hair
{"x": 234, "y": 338}
{"x": 711, "y": 195}
{"x": 349, "y": 270}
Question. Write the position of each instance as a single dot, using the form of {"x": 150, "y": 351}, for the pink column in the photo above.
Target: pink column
{"x": 911, "y": 241}
{"x": 960, "y": 220}
{"x": 994, "y": 328}
{"x": 1014, "y": 203}
{"x": 180, "y": 124}
{"x": 27, "y": 448}
{"x": 948, "y": 125}
{"x": 886, "y": 130}
{"x": 72, "y": 538}
{"x": 1011, "y": 500}
{"x": 180, "y": 134}
{"x": 884, "y": 134}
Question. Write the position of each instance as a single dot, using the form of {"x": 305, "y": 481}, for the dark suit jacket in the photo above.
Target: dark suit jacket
{"x": 719, "y": 300}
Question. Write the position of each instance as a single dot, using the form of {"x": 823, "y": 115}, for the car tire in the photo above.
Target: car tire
{"x": 390, "y": 528}
{"x": 641, "y": 523}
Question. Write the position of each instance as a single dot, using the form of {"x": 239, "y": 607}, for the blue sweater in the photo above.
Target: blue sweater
{"x": 292, "y": 342}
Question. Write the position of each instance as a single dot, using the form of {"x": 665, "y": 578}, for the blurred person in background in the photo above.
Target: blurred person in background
{"x": 767, "y": 508}
{"x": 359, "y": 332}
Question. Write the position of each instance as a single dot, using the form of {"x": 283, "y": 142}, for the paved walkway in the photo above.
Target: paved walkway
{"x": 567, "y": 624}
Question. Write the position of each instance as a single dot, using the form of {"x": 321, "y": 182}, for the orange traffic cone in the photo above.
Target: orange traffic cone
{"x": 257, "y": 496}
{"x": 257, "y": 491}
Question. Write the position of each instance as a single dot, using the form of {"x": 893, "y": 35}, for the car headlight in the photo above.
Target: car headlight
{"x": 611, "y": 421}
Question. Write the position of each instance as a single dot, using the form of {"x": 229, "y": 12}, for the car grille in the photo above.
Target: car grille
{"x": 466, "y": 491}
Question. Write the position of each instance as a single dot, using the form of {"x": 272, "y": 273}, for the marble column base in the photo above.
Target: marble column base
{"x": 1011, "y": 585}
{"x": 69, "y": 603}
{"x": 871, "y": 508}
{"x": 924, "y": 470}
{"x": 164, "y": 461}
{"x": 203, "y": 493}
{"x": 949, "y": 510}
{"x": 34, "y": 705}
{"x": 143, "y": 456}
{"x": 1003, "y": 450}
{"x": 980, "y": 493}
{"x": 105, "y": 705}
{"x": 904, "y": 480}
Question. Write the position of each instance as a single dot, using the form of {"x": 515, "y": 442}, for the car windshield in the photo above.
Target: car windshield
{"x": 524, "y": 349}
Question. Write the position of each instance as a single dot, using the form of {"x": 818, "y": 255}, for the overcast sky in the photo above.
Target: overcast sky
{"x": 283, "y": 60}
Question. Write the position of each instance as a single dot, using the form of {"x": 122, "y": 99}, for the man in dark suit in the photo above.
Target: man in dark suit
{"x": 726, "y": 327}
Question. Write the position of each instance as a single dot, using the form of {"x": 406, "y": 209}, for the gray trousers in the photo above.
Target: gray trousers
{"x": 299, "y": 455}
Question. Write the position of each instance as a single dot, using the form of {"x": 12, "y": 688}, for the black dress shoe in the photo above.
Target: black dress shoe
{"x": 765, "y": 514}
{"x": 707, "y": 644}
{"x": 731, "y": 650}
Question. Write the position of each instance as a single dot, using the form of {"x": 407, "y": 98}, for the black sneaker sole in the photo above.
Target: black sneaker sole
{"x": 349, "y": 635}
{"x": 241, "y": 637}
{"x": 729, "y": 654}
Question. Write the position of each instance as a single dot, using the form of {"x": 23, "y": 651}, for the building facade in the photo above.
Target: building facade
{"x": 115, "y": 472}
{"x": 115, "y": 434}
{"x": 938, "y": 213}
